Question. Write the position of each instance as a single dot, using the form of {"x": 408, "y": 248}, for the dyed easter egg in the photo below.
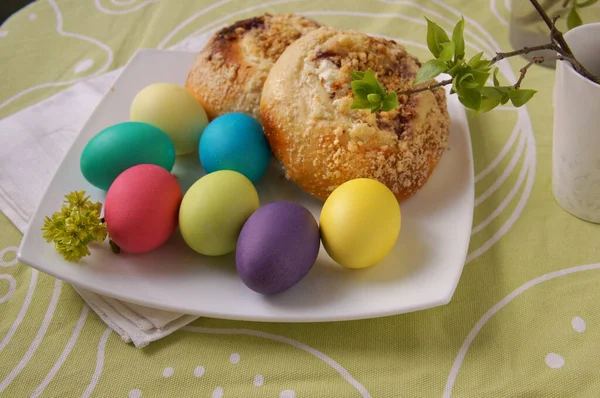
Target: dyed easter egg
{"x": 174, "y": 110}
{"x": 121, "y": 146}
{"x": 214, "y": 210}
{"x": 142, "y": 207}
{"x": 360, "y": 223}
{"x": 235, "y": 141}
{"x": 277, "y": 247}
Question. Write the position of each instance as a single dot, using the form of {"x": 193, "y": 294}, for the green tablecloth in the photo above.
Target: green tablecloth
{"x": 525, "y": 318}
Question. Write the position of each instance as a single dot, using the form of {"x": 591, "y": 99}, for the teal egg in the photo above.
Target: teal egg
{"x": 124, "y": 145}
{"x": 235, "y": 141}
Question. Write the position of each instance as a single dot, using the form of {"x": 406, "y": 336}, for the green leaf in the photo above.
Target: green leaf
{"x": 471, "y": 98}
{"x": 435, "y": 37}
{"x": 492, "y": 93}
{"x": 504, "y": 90}
{"x": 458, "y": 40}
{"x": 360, "y": 103}
{"x": 447, "y": 52}
{"x": 389, "y": 102}
{"x": 375, "y": 107}
{"x": 484, "y": 64}
{"x": 369, "y": 94}
{"x": 429, "y": 70}
{"x": 374, "y": 98}
{"x": 357, "y": 75}
{"x": 573, "y": 19}
{"x": 487, "y": 104}
{"x": 477, "y": 63}
{"x": 467, "y": 81}
{"x": 496, "y": 82}
{"x": 454, "y": 70}
{"x": 519, "y": 97}
{"x": 362, "y": 88}
{"x": 480, "y": 76}
{"x": 474, "y": 59}
{"x": 587, "y": 3}
{"x": 371, "y": 79}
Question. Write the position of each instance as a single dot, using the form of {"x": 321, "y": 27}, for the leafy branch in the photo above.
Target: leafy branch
{"x": 468, "y": 77}
{"x": 368, "y": 93}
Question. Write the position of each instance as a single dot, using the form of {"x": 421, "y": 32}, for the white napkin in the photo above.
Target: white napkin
{"x": 33, "y": 142}
{"x": 134, "y": 323}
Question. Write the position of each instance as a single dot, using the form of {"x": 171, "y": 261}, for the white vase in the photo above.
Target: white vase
{"x": 576, "y": 141}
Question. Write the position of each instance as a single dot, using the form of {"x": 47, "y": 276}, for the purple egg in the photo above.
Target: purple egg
{"x": 277, "y": 247}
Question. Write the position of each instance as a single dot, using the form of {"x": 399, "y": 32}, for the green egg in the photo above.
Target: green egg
{"x": 214, "y": 210}
{"x": 124, "y": 145}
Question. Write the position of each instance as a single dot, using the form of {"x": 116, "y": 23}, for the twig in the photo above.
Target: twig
{"x": 553, "y": 29}
{"x": 418, "y": 90}
{"x": 525, "y": 50}
{"x": 562, "y": 47}
{"x": 523, "y": 70}
{"x": 556, "y": 34}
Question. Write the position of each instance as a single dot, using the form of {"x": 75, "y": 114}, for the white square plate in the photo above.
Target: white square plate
{"x": 421, "y": 272}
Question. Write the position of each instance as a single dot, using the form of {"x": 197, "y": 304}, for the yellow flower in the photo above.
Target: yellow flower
{"x": 76, "y": 225}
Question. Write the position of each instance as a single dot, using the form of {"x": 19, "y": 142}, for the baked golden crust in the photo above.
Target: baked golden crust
{"x": 229, "y": 73}
{"x": 322, "y": 143}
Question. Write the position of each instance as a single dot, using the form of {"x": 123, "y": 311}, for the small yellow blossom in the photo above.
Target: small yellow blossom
{"x": 76, "y": 225}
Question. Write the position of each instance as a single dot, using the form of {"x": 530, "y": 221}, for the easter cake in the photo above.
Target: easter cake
{"x": 322, "y": 142}
{"x": 229, "y": 73}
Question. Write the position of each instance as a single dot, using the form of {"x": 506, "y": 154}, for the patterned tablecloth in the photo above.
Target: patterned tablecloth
{"x": 525, "y": 318}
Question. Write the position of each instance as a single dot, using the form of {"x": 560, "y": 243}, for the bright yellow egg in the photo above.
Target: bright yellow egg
{"x": 360, "y": 223}
{"x": 173, "y": 110}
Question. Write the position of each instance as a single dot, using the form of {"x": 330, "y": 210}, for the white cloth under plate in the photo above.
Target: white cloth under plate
{"x": 132, "y": 326}
{"x": 33, "y": 143}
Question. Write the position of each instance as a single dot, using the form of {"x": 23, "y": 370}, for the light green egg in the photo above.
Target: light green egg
{"x": 214, "y": 210}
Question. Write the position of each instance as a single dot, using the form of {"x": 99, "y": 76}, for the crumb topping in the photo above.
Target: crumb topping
{"x": 327, "y": 143}
{"x": 229, "y": 73}
{"x": 335, "y": 58}
{"x": 267, "y": 36}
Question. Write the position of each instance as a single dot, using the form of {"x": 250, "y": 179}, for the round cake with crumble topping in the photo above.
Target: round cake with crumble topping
{"x": 322, "y": 142}
{"x": 229, "y": 73}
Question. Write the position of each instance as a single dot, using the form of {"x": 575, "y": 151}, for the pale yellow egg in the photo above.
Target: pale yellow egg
{"x": 360, "y": 223}
{"x": 175, "y": 111}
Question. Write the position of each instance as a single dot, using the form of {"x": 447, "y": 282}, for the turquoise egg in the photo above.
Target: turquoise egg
{"x": 124, "y": 145}
{"x": 236, "y": 142}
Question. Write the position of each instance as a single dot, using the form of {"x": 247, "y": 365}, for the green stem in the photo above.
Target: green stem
{"x": 418, "y": 90}
{"x": 113, "y": 246}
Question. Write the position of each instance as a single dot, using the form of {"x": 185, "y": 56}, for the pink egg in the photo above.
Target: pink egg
{"x": 142, "y": 208}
